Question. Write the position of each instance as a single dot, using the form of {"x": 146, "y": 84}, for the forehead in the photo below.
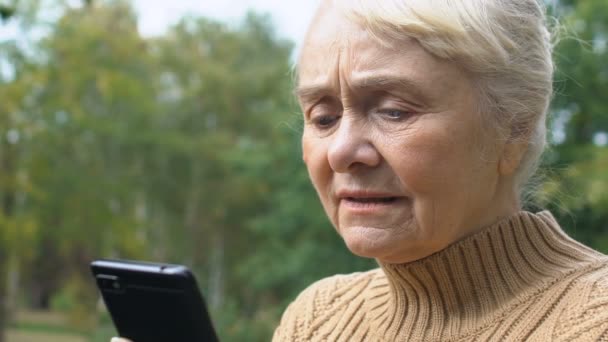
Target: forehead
{"x": 336, "y": 50}
{"x": 330, "y": 35}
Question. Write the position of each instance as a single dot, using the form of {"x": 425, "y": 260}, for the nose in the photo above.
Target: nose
{"x": 351, "y": 147}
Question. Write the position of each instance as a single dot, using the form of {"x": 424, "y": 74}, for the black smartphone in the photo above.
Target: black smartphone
{"x": 152, "y": 302}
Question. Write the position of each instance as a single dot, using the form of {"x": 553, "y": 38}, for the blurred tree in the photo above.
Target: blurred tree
{"x": 70, "y": 106}
{"x": 17, "y": 227}
{"x": 144, "y": 149}
{"x": 582, "y": 78}
{"x": 580, "y": 125}
{"x": 6, "y": 12}
{"x": 97, "y": 88}
{"x": 224, "y": 90}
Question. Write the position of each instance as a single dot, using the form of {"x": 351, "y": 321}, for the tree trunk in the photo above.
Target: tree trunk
{"x": 12, "y": 284}
{"x": 7, "y": 196}
{"x": 3, "y": 306}
{"x": 216, "y": 271}
{"x": 9, "y": 286}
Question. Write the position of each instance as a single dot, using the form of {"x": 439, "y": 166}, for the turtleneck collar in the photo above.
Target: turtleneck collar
{"x": 475, "y": 279}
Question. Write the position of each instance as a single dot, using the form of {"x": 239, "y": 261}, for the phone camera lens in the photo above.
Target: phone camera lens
{"x": 110, "y": 282}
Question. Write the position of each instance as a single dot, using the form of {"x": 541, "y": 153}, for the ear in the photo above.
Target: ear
{"x": 512, "y": 154}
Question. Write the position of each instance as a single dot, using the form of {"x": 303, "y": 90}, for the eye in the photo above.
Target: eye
{"x": 394, "y": 114}
{"x": 325, "y": 114}
{"x": 325, "y": 121}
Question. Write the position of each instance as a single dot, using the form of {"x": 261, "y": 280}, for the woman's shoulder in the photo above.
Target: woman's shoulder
{"x": 323, "y": 300}
{"x": 586, "y": 314}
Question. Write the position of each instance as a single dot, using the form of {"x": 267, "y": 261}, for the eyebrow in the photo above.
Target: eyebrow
{"x": 313, "y": 91}
{"x": 376, "y": 82}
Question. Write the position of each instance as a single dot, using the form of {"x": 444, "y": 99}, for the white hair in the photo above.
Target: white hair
{"x": 503, "y": 44}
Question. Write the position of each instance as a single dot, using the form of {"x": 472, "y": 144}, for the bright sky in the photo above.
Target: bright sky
{"x": 290, "y": 17}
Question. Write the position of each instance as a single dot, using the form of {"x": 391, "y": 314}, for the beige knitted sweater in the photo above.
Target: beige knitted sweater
{"x": 521, "y": 279}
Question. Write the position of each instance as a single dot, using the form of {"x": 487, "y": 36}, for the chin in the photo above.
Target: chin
{"x": 386, "y": 246}
{"x": 368, "y": 242}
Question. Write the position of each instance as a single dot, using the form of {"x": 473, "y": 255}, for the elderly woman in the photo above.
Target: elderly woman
{"x": 423, "y": 121}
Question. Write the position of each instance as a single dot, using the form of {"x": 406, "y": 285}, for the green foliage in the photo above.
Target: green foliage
{"x": 577, "y": 191}
{"x": 582, "y": 79}
{"x": 578, "y": 195}
{"x": 6, "y": 12}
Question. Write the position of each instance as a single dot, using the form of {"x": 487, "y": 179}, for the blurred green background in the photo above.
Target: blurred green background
{"x": 184, "y": 148}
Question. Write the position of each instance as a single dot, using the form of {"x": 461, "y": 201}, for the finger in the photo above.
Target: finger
{"x": 119, "y": 339}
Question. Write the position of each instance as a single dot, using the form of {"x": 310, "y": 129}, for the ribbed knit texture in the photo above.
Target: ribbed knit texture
{"x": 521, "y": 279}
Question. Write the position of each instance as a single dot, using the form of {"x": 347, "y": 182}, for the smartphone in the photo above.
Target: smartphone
{"x": 152, "y": 302}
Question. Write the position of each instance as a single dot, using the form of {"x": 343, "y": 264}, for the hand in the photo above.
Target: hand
{"x": 119, "y": 339}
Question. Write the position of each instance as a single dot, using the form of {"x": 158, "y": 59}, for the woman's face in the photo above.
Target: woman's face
{"x": 394, "y": 144}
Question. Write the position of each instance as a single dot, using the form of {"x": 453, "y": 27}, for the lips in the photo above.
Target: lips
{"x": 363, "y": 195}
{"x": 371, "y": 200}
{"x": 366, "y": 200}
{"x": 366, "y": 204}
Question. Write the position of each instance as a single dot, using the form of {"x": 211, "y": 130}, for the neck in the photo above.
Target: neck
{"x": 474, "y": 278}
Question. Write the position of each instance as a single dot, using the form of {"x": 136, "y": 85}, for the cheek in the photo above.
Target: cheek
{"x": 314, "y": 154}
{"x": 430, "y": 160}
{"x": 311, "y": 153}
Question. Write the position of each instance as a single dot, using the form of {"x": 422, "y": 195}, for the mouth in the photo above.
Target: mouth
{"x": 371, "y": 205}
{"x": 371, "y": 200}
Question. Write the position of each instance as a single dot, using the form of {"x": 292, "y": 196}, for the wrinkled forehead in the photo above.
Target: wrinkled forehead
{"x": 329, "y": 25}
{"x": 330, "y": 36}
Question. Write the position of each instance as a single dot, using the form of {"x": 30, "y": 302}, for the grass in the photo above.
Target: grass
{"x": 17, "y": 335}
{"x": 46, "y": 326}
